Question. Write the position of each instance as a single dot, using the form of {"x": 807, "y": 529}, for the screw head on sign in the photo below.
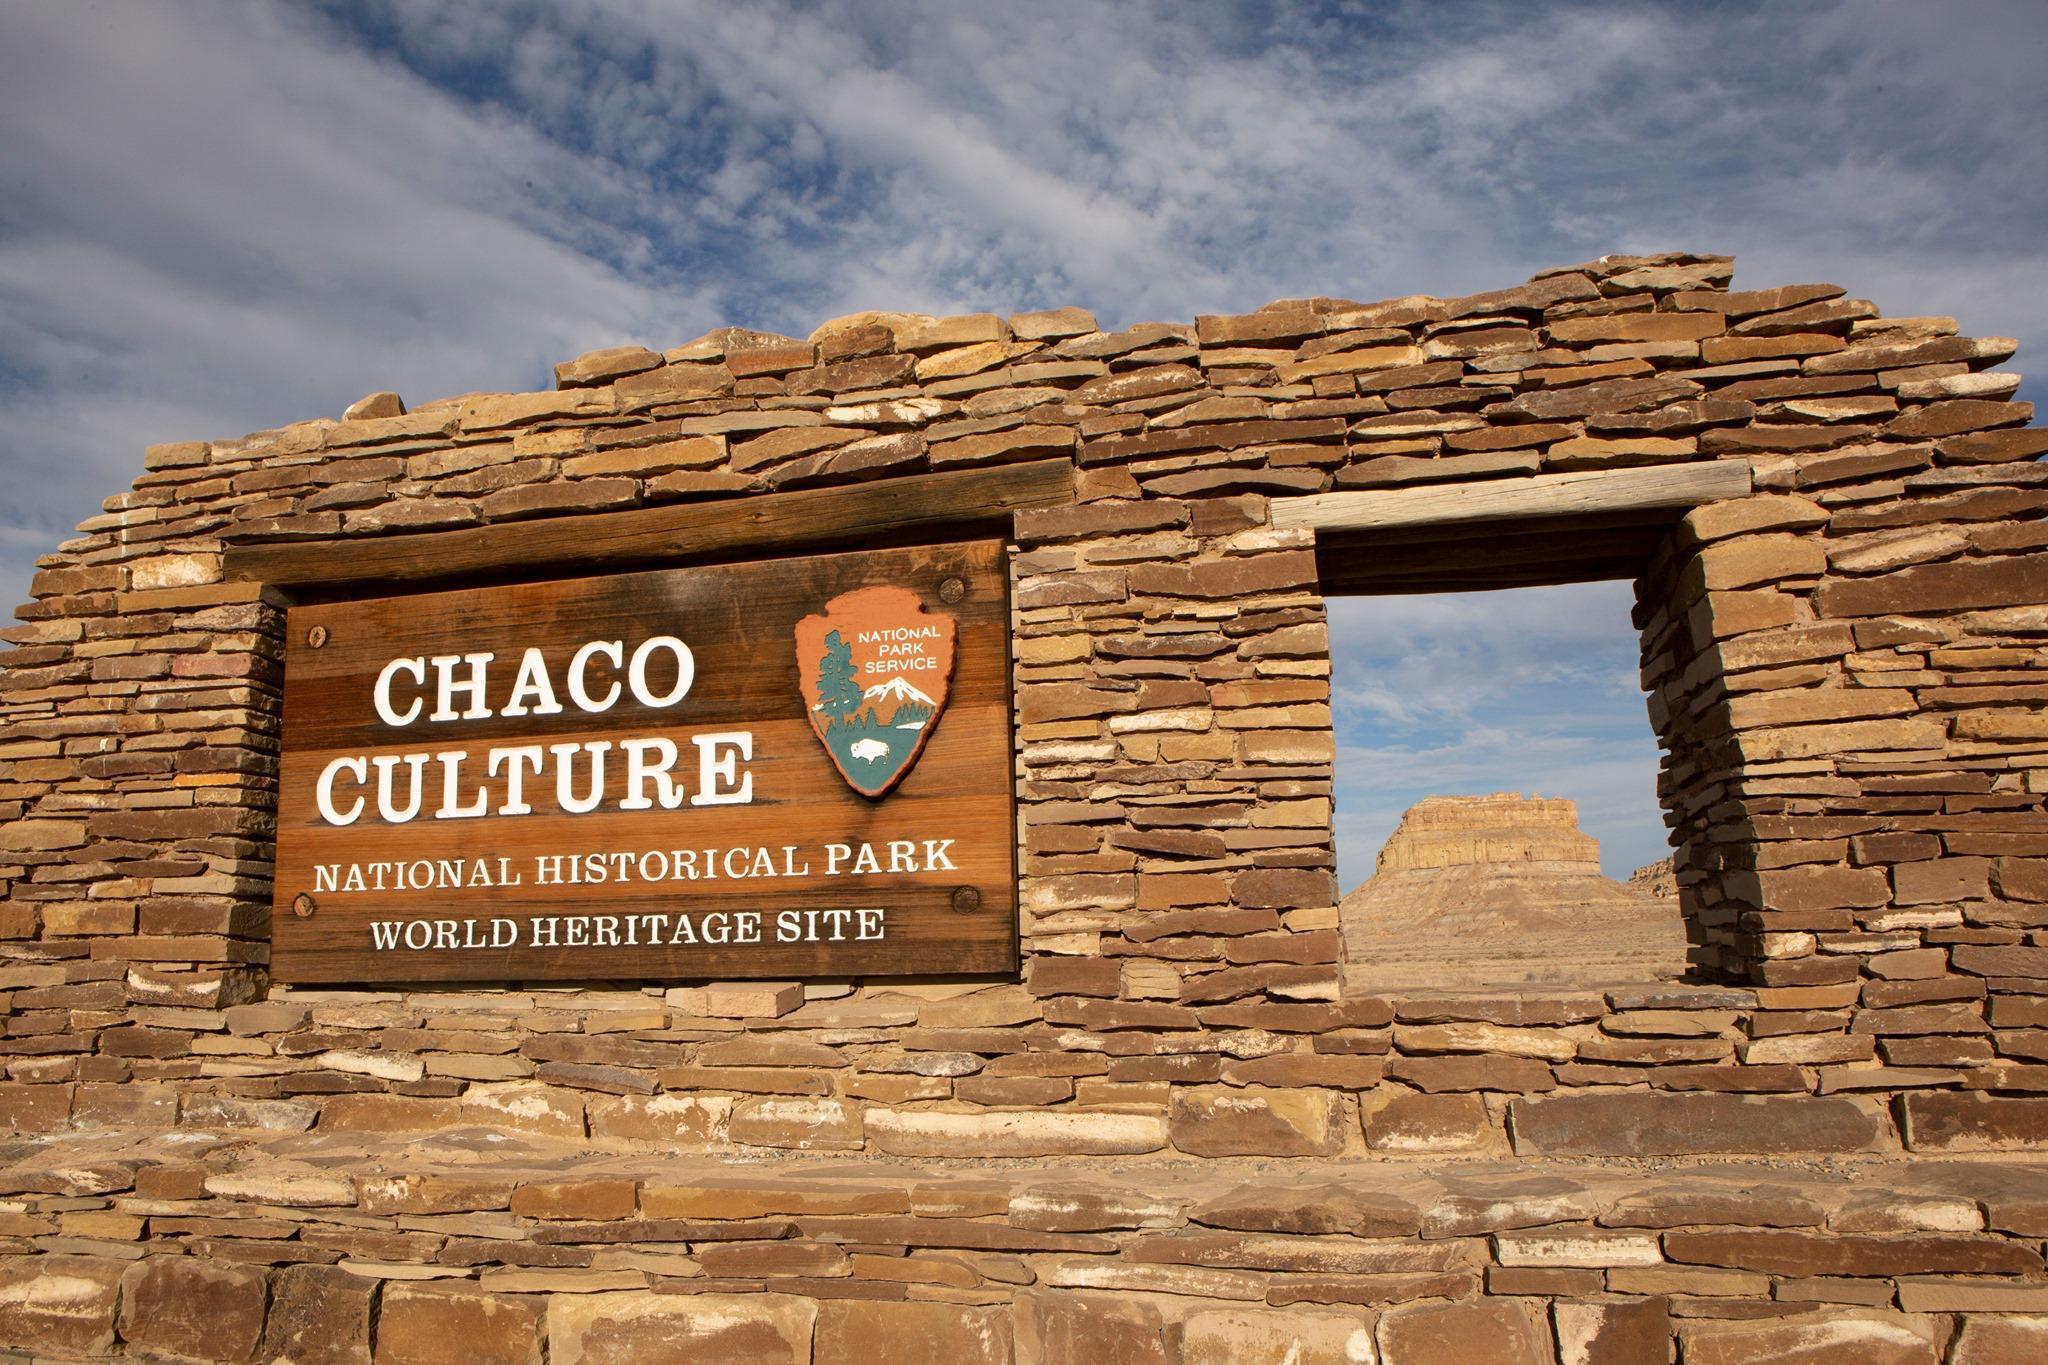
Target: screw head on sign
{"x": 952, "y": 590}
{"x": 966, "y": 899}
{"x": 303, "y": 906}
{"x": 317, "y": 636}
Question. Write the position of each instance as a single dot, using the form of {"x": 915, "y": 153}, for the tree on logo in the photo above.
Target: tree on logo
{"x": 838, "y": 694}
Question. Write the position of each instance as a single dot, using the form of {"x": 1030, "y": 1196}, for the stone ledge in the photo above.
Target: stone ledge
{"x": 511, "y": 1240}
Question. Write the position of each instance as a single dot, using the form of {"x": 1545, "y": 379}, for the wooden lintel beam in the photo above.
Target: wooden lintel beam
{"x": 1523, "y": 557}
{"x": 770, "y": 521}
{"x": 1663, "y": 490}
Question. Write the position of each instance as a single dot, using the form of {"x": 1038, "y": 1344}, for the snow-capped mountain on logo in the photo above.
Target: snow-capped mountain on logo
{"x": 898, "y": 691}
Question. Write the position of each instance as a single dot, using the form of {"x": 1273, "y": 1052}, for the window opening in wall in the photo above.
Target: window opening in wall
{"x": 1497, "y": 818}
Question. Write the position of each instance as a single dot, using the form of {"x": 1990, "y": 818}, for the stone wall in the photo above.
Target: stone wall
{"x": 1846, "y": 675}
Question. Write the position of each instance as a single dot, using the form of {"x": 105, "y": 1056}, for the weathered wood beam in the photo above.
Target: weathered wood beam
{"x": 774, "y": 521}
{"x": 1661, "y": 489}
{"x": 1505, "y": 555}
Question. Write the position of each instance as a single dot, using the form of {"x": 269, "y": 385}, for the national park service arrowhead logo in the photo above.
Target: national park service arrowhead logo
{"x": 875, "y": 670}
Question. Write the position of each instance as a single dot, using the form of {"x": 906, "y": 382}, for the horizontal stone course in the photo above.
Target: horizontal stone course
{"x": 781, "y": 1261}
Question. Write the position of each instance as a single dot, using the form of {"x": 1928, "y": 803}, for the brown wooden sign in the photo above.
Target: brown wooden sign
{"x": 793, "y": 768}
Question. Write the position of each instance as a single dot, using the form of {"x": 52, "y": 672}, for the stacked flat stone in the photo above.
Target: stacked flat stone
{"x": 292, "y": 1249}
{"x": 1846, "y": 677}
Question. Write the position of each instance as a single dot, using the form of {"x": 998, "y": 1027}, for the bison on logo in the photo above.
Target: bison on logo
{"x": 875, "y": 669}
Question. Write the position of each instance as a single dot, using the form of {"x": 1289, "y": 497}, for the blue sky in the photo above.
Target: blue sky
{"x": 1534, "y": 690}
{"x": 217, "y": 216}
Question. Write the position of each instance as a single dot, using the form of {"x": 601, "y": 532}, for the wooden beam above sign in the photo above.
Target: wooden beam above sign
{"x": 769, "y": 522}
{"x": 1664, "y": 489}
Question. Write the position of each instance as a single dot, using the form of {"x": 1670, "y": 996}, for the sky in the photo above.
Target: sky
{"x": 218, "y": 216}
{"x": 1533, "y": 690}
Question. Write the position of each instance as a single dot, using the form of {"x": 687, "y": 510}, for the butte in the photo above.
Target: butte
{"x": 1503, "y": 892}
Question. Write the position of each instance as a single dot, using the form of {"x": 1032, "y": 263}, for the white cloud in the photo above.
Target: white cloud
{"x": 222, "y": 220}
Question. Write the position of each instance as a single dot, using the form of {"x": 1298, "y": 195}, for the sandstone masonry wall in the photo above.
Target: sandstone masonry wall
{"x": 1846, "y": 674}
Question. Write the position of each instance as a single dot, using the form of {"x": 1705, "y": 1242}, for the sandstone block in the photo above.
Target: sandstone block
{"x": 589, "y": 1200}
{"x": 1781, "y": 1252}
{"x": 2023, "y": 879}
{"x": 658, "y": 1329}
{"x": 1936, "y": 1294}
{"x": 1437, "y": 1075}
{"x": 1973, "y": 1123}
{"x": 677, "y": 383}
{"x": 34, "y": 1108}
{"x": 293, "y": 1186}
{"x": 1956, "y": 417}
{"x": 1255, "y": 1121}
{"x": 1944, "y": 879}
{"x": 40, "y": 836}
{"x": 183, "y": 1306}
{"x": 1547, "y": 1044}
{"x": 592, "y": 367}
{"x": 1405, "y": 1121}
{"x": 525, "y": 1108}
{"x": 1800, "y": 705}
{"x": 1507, "y": 1331}
{"x": 173, "y": 571}
{"x": 1749, "y": 561}
{"x": 1051, "y": 323}
{"x": 797, "y": 1124}
{"x": 1839, "y": 1339}
{"x": 1597, "y": 1250}
{"x": 739, "y": 999}
{"x": 1251, "y": 1336}
{"x": 1261, "y": 1206}
{"x": 1240, "y": 577}
{"x": 1078, "y": 1207}
{"x": 932, "y": 1132}
{"x": 1090, "y": 976}
{"x": 1993, "y": 447}
{"x": 59, "y": 1305}
{"x": 1095, "y": 520}
{"x": 691, "y": 1122}
{"x": 1284, "y": 888}
{"x": 1639, "y": 327}
{"x": 435, "y": 1324}
{"x": 1613, "y": 1333}
{"x": 319, "y": 1315}
{"x": 2008, "y": 580}
{"x": 1808, "y": 741}
{"x": 856, "y": 1332}
{"x": 846, "y": 376}
{"x": 1088, "y": 1329}
{"x": 230, "y": 1112}
{"x": 1816, "y": 886}
{"x": 2000, "y": 1340}
{"x": 581, "y": 495}
{"x": 1637, "y": 1124}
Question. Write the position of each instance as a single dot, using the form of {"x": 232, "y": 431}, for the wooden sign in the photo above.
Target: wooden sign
{"x": 793, "y": 768}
